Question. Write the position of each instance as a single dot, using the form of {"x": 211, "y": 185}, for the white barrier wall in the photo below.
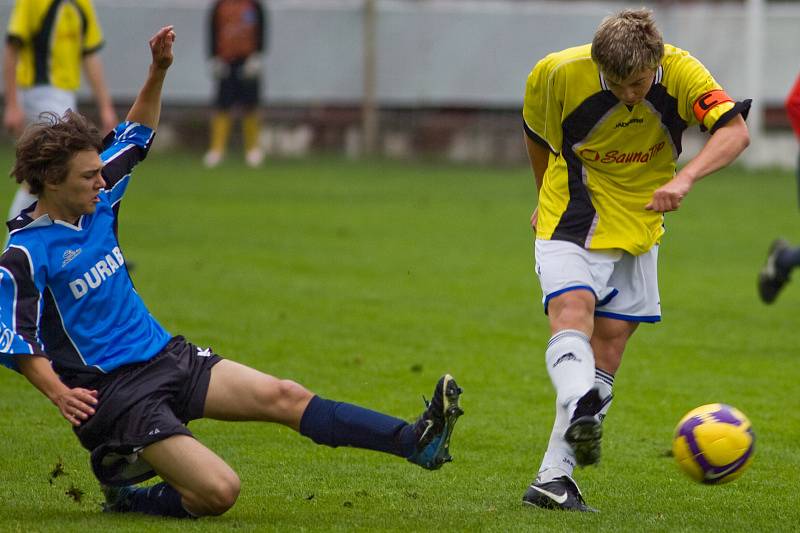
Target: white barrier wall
{"x": 431, "y": 52}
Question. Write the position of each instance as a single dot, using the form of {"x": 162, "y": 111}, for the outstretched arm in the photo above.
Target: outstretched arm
{"x": 722, "y": 149}
{"x": 146, "y": 109}
{"x": 76, "y": 405}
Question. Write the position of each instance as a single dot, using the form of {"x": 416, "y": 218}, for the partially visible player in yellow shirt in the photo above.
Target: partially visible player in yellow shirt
{"x": 603, "y": 125}
{"x": 47, "y": 43}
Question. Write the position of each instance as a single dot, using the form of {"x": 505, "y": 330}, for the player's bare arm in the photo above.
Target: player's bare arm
{"x": 76, "y": 405}
{"x": 13, "y": 116}
{"x": 539, "y": 157}
{"x": 93, "y": 67}
{"x": 722, "y": 148}
{"x": 146, "y": 110}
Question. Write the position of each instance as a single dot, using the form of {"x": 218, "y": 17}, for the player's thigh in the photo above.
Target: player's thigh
{"x": 609, "y": 340}
{"x": 193, "y": 470}
{"x": 238, "y": 392}
{"x": 573, "y": 279}
{"x": 572, "y": 310}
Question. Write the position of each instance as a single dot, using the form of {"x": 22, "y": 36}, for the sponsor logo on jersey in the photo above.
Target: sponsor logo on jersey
{"x": 625, "y": 124}
{"x": 617, "y": 157}
{"x": 68, "y": 256}
{"x": 95, "y": 276}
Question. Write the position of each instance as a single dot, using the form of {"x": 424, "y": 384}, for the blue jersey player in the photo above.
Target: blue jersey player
{"x": 127, "y": 385}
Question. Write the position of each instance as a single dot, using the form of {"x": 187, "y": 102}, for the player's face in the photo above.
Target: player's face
{"x": 77, "y": 195}
{"x": 632, "y": 89}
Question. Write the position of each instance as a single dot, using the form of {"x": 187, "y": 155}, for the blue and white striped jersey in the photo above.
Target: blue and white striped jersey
{"x": 67, "y": 286}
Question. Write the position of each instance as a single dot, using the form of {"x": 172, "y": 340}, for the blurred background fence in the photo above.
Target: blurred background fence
{"x": 437, "y": 76}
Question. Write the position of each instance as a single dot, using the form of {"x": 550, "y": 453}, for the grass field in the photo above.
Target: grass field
{"x": 365, "y": 282}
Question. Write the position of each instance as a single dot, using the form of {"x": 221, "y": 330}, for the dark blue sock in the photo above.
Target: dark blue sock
{"x": 343, "y": 424}
{"x": 161, "y": 499}
{"x": 788, "y": 259}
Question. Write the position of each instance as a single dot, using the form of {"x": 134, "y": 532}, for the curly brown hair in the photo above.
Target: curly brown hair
{"x": 45, "y": 149}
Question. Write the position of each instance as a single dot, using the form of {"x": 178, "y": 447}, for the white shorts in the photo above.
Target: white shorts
{"x": 625, "y": 285}
{"x": 43, "y": 98}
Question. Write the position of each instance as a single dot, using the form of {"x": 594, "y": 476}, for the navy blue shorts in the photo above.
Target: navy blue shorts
{"x": 237, "y": 90}
{"x": 144, "y": 403}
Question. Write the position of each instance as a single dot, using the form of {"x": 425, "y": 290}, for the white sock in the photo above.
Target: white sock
{"x": 558, "y": 460}
{"x": 604, "y": 382}
{"x": 570, "y": 363}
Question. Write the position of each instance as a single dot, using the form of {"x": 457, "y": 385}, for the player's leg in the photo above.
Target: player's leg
{"x": 196, "y": 482}
{"x": 251, "y": 121}
{"x": 237, "y": 392}
{"x": 570, "y": 277}
{"x": 782, "y": 258}
{"x": 570, "y": 363}
{"x": 221, "y": 121}
{"x": 608, "y": 344}
{"x": 36, "y": 102}
{"x": 635, "y": 299}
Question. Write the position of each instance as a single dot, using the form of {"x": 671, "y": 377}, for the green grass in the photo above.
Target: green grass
{"x": 366, "y": 281}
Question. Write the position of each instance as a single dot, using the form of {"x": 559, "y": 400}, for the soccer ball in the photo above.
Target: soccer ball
{"x": 713, "y": 443}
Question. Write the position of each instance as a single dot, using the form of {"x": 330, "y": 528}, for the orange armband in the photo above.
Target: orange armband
{"x": 708, "y": 101}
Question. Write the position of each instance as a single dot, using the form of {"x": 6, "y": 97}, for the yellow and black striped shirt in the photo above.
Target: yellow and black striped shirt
{"x": 607, "y": 159}
{"x": 53, "y": 36}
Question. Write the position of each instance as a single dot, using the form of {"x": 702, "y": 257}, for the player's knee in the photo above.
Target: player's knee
{"x": 572, "y": 310}
{"x": 291, "y": 394}
{"x": 222, "y": 493}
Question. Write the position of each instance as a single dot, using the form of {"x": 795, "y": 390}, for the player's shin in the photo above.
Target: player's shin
{"x": 342, "y": 424}
{"x": 160, "y": 499}
{"x": 559, "y": 459}
{"x": 570, "y": 363}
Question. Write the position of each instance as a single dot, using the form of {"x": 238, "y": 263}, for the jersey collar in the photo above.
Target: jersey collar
{"x": 658, "y": 78}
{"x": 24, "y": 221}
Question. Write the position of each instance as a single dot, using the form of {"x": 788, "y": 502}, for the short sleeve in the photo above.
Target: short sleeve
{"x": 543, "y": 109}
{"x": 702, "y": 100}
{"x": 123, "y": 149}
{"x": 93, "y": 38}
{"x": 19, "y": 23}
{"x": 12, "y": 345}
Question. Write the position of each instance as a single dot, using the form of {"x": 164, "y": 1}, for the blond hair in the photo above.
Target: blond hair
{"x": 627, "y": 42}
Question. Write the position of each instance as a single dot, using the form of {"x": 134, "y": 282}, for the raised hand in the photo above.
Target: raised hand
{"x": 161, "y": 47}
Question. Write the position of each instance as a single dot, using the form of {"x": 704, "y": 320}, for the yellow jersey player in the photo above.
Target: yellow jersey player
{"x": 47, "y": 43}
{"x": 603, "y": 125}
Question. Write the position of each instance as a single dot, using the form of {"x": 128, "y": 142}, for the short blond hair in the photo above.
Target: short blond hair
{"x": 627, "y": 42}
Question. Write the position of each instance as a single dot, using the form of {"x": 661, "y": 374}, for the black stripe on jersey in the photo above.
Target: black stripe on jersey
{"x": 577, "y": 219}
{"x": 739, "y": 108}
{"x": 535, "y": 138}
{"x": 26, "y": 304}
{"x": 15, "y": 41}
{"x": 92, "y": 50}
{"x": 667, "y": 107}
{"x": 67, "y": 361}
{"x": 84, "y": 20}
{"x": 41, "y": 45}
{"x": 121, "y": 164}
{"x": 42, "y": 41}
